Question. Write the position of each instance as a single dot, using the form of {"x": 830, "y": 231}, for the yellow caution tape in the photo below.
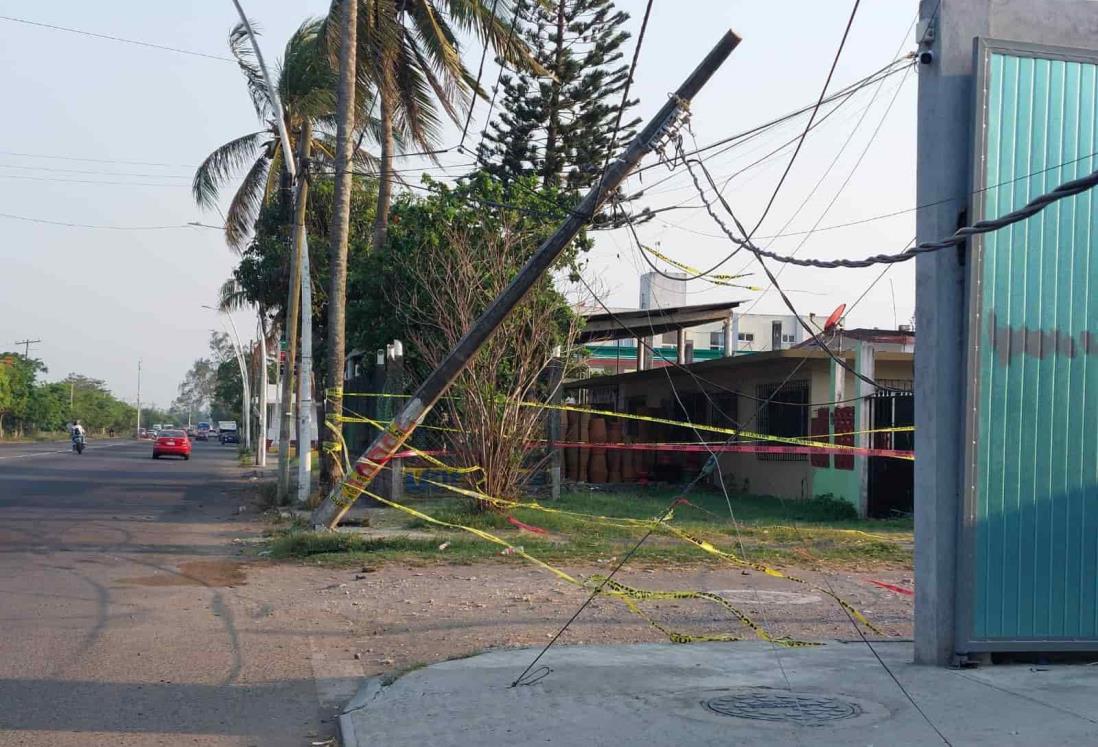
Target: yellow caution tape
{"x": 626, "y": 594}
{"x": 662, "y": 524}
{"x": 715, "y": 279}
{"x": 746, "y": 436}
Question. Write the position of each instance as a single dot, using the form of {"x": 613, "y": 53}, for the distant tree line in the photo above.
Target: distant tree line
{"x": 29, "y": 405}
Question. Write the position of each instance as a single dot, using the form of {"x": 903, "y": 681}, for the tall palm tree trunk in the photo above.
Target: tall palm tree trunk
{"x": 293, "y": 312}
{"x": 331, "y": 464}
{"x": 385, "y": 170}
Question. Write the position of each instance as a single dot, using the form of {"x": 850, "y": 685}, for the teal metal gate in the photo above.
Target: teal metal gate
{"x": 1029, "y": 559}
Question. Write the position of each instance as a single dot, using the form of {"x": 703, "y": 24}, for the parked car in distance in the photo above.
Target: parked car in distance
{"x": 227, "y": 432}
{"x": 173, "y": 443}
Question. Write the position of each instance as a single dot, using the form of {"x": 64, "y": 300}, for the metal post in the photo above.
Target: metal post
{"x": 395, "y": 385}
{"x": 261, "y": 396}
{"x": 435, "y": 385}
{"x": 246, "y": 396}
{"x": 864, "y": 364}
{"x": 302, "y": 259}
{"x": 729, "y": 349}
{"x": 556, "y": 376}
{"x": 680, "y": 347}
{"x": 138, "y": 433}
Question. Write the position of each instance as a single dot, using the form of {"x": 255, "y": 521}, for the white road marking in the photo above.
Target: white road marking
{"x": 62, "y": 451}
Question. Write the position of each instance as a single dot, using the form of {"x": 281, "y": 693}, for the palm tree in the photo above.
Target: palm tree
{"x": 306, "y": 86}
{"x": 306, "y": 91}
{"x": 409, "y": 50}
{"x": 347, "y": 36}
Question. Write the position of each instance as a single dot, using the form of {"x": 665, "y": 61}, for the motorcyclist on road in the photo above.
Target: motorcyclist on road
{"x": 78, "y": 437}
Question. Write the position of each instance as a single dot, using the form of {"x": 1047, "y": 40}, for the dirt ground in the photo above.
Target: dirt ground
{"x": 393, "y": 618}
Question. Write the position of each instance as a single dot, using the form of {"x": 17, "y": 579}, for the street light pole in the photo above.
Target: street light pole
{"x": 301, "y": 250}
{"x": 261, "y": 396}
{"x": 138, "y": 433}
{"x": 246, "y": 396}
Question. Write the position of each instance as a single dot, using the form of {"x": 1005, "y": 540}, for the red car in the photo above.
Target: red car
{"x": 175, "y": 443}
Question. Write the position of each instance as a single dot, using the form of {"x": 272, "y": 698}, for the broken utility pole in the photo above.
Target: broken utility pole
{"x": 342, "y": 496}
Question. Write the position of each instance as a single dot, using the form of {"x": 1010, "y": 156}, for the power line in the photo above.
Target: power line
{"x": 625, "y": 96}
{"x": 67, "y": 224}
{"x": 89, "y": 171}
{"x": 495, "y": 90}
{"x": 885, "y": 216}
{"x": 89, "y": 181}
{"x": 845, "y": 94}
{"x": 93, "y": 160}
{"x": 108, "y": 37}
{"x": 476, "y": 85}
{"x": 769, "y": 156}
{"x": 746, "y": 243}
{"x": 811, "y": 118}
{"x": 1035, "y": 205}
{"x": 846, "y": 181}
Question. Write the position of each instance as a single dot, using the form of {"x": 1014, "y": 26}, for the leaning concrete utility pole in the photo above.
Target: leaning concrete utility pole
{"x": 431, "y": 390}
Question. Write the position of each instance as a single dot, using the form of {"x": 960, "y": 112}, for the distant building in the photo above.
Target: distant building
{"x": 788, "y": 395}
{"x": 749, "y": 333}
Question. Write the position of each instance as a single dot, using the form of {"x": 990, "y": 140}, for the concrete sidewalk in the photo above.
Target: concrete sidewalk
{"x": 747, "y": 693}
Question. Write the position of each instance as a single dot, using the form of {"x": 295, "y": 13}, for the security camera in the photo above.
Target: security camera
{"x": 925, "y": 58}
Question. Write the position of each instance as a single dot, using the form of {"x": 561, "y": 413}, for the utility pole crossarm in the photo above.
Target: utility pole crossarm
{"x": 342, "y": 496}
{"x": 26, "y": 346}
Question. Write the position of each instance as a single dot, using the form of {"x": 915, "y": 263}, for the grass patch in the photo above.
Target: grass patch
{"x": 820, "y": 531}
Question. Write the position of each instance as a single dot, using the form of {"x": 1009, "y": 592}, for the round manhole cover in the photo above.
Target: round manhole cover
{"x": 765, "y": 704}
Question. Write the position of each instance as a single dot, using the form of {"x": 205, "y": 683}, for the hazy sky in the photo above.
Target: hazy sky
{"x": 101, "y": 299}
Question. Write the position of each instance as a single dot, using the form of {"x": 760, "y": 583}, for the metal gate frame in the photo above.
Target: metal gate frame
{"x": 965, "y": 640}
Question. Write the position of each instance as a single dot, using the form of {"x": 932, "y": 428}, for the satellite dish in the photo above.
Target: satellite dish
{"x": 833, "y": 320}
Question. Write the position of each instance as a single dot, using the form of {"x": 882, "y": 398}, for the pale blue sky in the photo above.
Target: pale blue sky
{"x": 101, "y": 299}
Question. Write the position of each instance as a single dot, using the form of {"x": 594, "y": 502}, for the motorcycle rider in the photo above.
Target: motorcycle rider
{"x": 78, "y": 434}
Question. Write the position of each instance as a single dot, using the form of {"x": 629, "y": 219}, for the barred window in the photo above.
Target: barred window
{"x": 783, "y": 411}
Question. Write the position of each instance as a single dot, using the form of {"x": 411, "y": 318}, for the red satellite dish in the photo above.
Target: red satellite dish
{"x": 833, "y": 320}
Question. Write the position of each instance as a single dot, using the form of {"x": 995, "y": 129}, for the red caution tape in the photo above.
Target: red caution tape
{"x": 743, "y": 449}
{"x": 527, "y": 527}
{"x": 893, "y": 587}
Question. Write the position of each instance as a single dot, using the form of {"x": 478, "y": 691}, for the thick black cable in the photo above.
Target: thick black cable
{"x": 773, "y": 280}
{"x": 811, "y": 117}
{"x": 1035, "y": 205}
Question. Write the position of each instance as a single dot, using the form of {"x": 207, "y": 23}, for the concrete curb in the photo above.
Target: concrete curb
{"x": 368, "y": 691}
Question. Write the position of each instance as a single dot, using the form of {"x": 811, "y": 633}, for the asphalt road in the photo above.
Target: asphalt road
{"x": 127, "y": 616}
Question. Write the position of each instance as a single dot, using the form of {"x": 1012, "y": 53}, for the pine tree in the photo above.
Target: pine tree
{"x": 561, "y": 128}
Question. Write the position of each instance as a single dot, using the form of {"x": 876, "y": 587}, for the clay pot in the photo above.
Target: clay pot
{"x": 613, "y": 456}
{"x": 571, "y": 435}
{"x": 596, "y": 466}
{"x": 628, "y": 471}
{"x": 583, "y": 454}
{"x": 596, "y": 430}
